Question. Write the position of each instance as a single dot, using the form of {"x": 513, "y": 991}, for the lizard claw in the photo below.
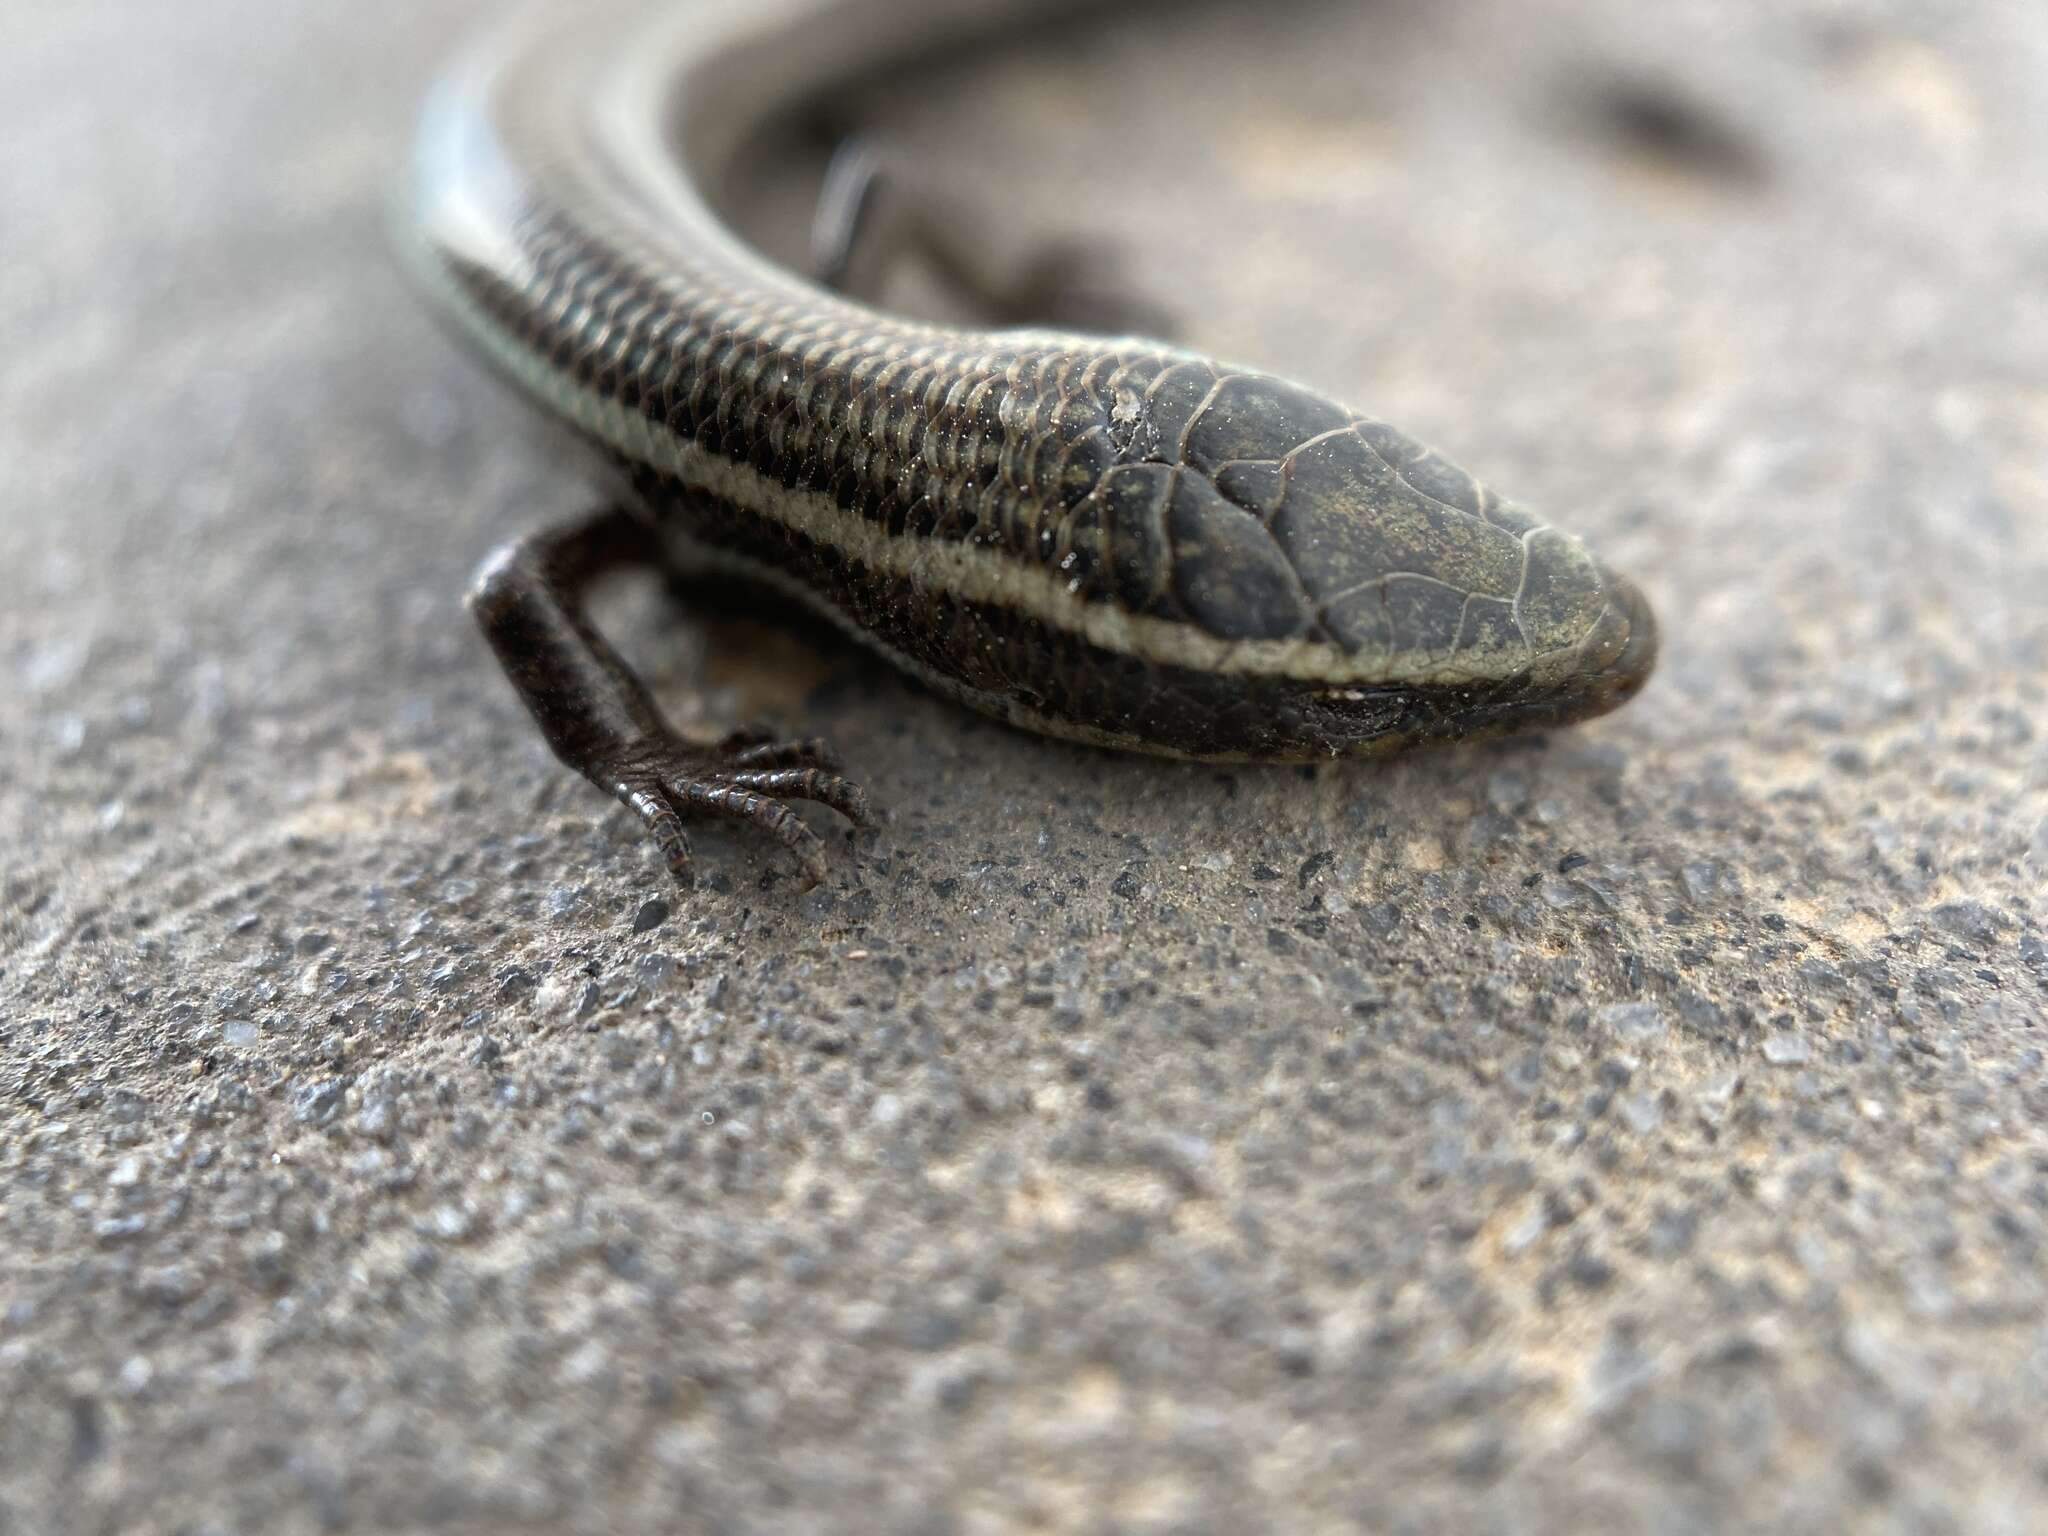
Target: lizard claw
{"x": 748, "y": 777}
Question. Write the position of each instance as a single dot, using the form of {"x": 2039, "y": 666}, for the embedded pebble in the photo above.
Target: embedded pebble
{"x": 1785, "y": 1048}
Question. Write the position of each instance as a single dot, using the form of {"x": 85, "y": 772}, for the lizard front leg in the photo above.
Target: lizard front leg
{"x": 601, "y": 720}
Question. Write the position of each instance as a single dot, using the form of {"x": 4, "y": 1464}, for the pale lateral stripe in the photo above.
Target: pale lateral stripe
{"x": 966, "y": 572}
{"x": 693, "y": 553}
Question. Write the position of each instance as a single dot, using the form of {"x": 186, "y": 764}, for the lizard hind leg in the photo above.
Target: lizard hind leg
{"x": 879, "y": 209}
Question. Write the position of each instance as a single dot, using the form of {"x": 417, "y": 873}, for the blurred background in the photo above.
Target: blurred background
{"x": 1638, "y": 1128}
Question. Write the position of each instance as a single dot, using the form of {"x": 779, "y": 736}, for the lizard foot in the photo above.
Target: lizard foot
{"x": 749, "y": 777}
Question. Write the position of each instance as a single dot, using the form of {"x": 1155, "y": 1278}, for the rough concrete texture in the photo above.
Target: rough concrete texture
{"x": 1638, "y": 1129}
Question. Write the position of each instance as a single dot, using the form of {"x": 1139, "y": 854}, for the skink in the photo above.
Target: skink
{"x": 1108, "y": 540}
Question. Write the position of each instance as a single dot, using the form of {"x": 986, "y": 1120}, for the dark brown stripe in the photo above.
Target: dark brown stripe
{"x": 1002, "y": 655}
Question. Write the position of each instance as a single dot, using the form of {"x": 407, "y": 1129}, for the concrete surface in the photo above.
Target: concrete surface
{"x": 1635, "y": 1130}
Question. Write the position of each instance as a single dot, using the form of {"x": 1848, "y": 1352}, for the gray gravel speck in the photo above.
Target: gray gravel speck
{"x": 1642, "y": 1112}
{"x": 1785, "y": 1048}
{"x": 1971, "y": 921}
{"x": 318, "y": 1103}
{"x": 1636, "y": 1023}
